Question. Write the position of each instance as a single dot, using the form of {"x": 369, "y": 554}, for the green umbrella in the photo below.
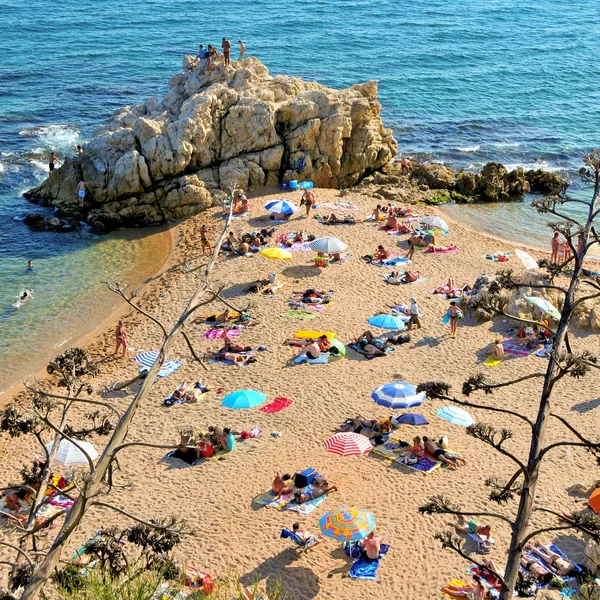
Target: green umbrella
{"x": 341, "y": 348}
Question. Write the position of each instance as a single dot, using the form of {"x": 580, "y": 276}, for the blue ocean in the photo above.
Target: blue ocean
{"x": 460, "y": 82}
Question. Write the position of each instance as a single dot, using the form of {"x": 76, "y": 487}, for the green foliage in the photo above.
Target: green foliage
{"x": 233, "y": 589}
{"x": 445, "y": 198}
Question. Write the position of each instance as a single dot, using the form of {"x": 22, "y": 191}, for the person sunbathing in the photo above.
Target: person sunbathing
{"x": 405, "y": 227}
{"x": 443, "y": 455}
{"x": 405, "y": 211}
{"x": 255, "y": 244}
{"x": 541, "y": 574}
{"x": 381, "y": 253}
{"x": 376, "y": 214}
{"x": 281, "y": 484}
{"x": 181, "y": 391}
{"x": 243, "y": 249}
{"x": 497, "y": 349}
{"x": 222, "y": 318}
{"x": 418, "y": 447}
{"x": 298, "y": 237}
{"x": 322, "y": 490}
{"x": 433, "y": 249}
{"x": 230, "y": 346}
{"x": 472, "y": 528}
{"x": 304, "y": 536}
{"x": 553, "y": 560}
{"x": 195, "y": 393}
{"x": 410, "y": 276}
{"x": 391, "y": 223}
{"x": 478, "y": 591}
{"x": 370, "y": 345}
{"x": 367, "y": 427}
{"x": 234, "y": 357}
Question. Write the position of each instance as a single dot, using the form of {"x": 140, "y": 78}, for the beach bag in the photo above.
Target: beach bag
{"x": 352, "y": 549}
{"x": 484, "y": 547}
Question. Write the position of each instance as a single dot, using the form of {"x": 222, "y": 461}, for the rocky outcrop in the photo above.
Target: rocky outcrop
{"x": 544, "y": 182}
{"x": 213, "y": 131}
{"x": 38, "y": 222}
{"x": 435, "y": 176}
{"x": 495, "y": 183}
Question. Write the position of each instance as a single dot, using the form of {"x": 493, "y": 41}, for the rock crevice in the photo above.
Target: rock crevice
{"x": 214, "y": 131}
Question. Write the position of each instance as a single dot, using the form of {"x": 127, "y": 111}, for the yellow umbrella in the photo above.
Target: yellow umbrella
{"x": 277, "y": 254}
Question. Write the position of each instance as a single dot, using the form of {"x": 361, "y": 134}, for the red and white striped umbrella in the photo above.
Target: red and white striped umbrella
{"x": 348, "y": 443}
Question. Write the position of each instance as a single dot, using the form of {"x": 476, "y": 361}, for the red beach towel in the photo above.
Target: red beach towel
{"x": 277, "y": 405}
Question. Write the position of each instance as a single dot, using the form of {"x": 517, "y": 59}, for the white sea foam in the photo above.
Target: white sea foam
{"x": 505, "y": 144}
{"x": 60, "y": 138}
{"x": 540, "y": 164}
{"x": 468, "y": 148}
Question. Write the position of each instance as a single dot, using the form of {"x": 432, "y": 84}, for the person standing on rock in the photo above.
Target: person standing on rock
{"x": 79, "y": 152}
{"x": 210, "y": 54}
{"x": 242, "y": 50}
{"x": 226, "y": 45}
{"x": 81, "y": 192}
{"x": 53, "y": 158}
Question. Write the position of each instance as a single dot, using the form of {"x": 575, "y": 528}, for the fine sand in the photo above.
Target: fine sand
{"x": 231, "y": 537}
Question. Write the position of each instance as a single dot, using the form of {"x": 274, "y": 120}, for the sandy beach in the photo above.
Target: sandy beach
{"x": 234, "y": 538}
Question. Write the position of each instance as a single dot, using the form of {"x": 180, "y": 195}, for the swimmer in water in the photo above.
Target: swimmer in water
{"x": 26, "y": 295}
{"x": 30, "y": 265}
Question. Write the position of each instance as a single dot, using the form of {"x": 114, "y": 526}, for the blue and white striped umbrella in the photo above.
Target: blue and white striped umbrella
{"x": 147, "y": 359}
{"x": 398, "y": 394}
{"x": 281, "y": 206}
{"x": 455, "y": 415}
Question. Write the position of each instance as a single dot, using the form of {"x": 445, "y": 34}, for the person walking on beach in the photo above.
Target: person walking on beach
{"x": 452, "y": 316}
{"x": 242, "y": 50}
{"x": 81, "y": 192}
{"x": 121, "y": 338}
{"x": 226, "y": 45}
{"x": 53, "y": 158}
{"x": 308, "y": 201}
{"x": 204, "y": 240}
{"x": 555, "y": 245}
{"x": 413, "y": 311}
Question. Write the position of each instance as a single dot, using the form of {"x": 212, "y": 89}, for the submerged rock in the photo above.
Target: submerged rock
{"x": 38, "y": 222}
{"x": 214, "y": 131}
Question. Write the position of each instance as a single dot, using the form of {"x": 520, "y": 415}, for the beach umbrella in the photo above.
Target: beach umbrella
{"x": 410, "y": 419}
{"x": 147, "y": 359}
{"x": 398, "y": 394}
{"x": 243, "y": 399}
{"x": 544, "y": 305}
{"x": 341, "y": 348}
{"x": 594, "y": 501}
{"x": 327, "y": 245}
{"x": 69, "y": 454}
{"x": 277, "y": 254}
{"x": 528, "y": 261}
{"x": 386, "y": 322}
{"x": 281, "y": 206}
{"x": 348, "y": 443}
{"x": 435, "y": 223}
{"x": 347, "y": 523}
{"x": 455, "y": 415}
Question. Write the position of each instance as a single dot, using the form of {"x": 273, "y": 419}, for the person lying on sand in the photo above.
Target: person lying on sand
{"x": 478, "y": 591}
{"x": 432, "y": 248}
{"x": 405, "y": 227}
{"x": 222, "y": 318}
{"x": 230, "y": 346}
{"x": 369, "y": 344}
{"x": 333, "y": 219}
{"x": 442, "y": 455}
{"x": 398, "y": 277}
{"x": 195, "y": 393}
{"x": 367, "y": 427}
{"x": 472, "y": 528}
{"x": 302, "y": 497}
{"x": 236, "y": 359}
{"x": 497, "y": 350}
{"x": 282, "y": 484}
{"x": 541, "y": 574}
{"x": 554, "y": 561}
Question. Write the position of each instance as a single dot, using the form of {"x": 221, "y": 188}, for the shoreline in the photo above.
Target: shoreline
{"x": 159, "y": 244}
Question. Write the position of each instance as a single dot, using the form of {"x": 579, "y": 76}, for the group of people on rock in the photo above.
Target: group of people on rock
{"x": 210, "y": 53}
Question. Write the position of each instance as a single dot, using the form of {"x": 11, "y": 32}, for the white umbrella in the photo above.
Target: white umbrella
{"x": 327, "y": 245}
{"x": 435, "y": 223}
{"x": 528, "y": 261}
{"x": 69, "y": 454}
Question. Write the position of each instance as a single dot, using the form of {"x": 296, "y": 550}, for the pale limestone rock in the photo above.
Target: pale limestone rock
{"x": 217, "y": 130}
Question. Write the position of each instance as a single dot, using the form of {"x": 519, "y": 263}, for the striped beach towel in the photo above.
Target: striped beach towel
{"x": 147, "y": 359}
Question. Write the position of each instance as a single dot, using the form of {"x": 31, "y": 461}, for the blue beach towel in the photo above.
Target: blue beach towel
{"x": 147, "y": 359}
{"x": 306, "y": 507}
{"x": 391, "y": 262}
{"x": 365, "y": 568}
{"x": 322, "y": 360}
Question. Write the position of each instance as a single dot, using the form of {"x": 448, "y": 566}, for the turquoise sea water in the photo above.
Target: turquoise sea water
{"x": 462, "y": 82}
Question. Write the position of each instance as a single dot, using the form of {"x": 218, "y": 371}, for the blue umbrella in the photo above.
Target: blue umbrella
{"x": 398, "y": 394}
{"x": 243, "y": 399}
{"x": 386, "y": 322}
{"x": 410, "y": 419}
{"x": 455, "y": 415}
{"x": 281, "y": 206}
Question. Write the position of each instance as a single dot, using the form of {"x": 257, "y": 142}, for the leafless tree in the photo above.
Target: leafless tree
{"x": 580, "y": 285}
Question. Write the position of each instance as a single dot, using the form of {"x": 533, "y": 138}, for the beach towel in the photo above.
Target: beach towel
{"x": 391, "y": 262}
{"x": 217, "y": 334}
{"x": 477, "y": 538}
{"x": 344, "y": 222}
{"x": 517, "y": 348}
{"x": 498, "y": 256}
{"x": 279, "y": 503}
{"x": 307, "y": 306}
{"x": 455, "y": 583}
{"x": 490, "y": 361}
{"x": 264, "y": 498}
{"x": 277, "y": 405}
{"x": 431, "y": 250}
{"x": 333, "y": 206}
{"x": 306, "y": 507}
{"x": 305, "y": 334}
{"x": 196, "y": 462}
{"x": 420, "y": 280}
{"x": 366, "y": 568}
{"x": 323, "y": 359}
{"x": 300, "y": 314}
{"x": 545, "y": 351}
{"x": 388, "y": 451}
{"x": 147, "y": 359}
{"x": 358, "y": 349}
{"x": 425, "y": 464}
{"x": 297, "y": 246}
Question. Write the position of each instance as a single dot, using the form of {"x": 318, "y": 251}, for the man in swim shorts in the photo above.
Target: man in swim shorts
{"x": 81, "y": 192}
{"x": 226, "y": 45}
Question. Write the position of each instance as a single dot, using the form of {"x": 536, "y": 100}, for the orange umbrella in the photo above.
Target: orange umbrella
{"x": 594, "y": 501}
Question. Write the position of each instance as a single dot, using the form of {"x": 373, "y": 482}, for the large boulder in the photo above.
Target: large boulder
{"x": 544, "y": 182}
{"x": 216, "y": 130}
{"x": 434, "y": 175}
{"x": 496, "y": 184}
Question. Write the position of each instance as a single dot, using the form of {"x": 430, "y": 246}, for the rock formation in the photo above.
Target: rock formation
{"x": 216, "y": 130}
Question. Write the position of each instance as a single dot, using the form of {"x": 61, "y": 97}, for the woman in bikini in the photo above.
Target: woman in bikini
{"x": 381, "y": 253}
{"x": 302, "y": 497}
{"x": 555, "y": 561}
{"x": 442, "y": 455}
{"x": 121, "y": 338}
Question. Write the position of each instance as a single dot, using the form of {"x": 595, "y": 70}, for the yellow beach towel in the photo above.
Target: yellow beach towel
{"x": 490, "y": 361}
{"x": 302, "y": 335}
